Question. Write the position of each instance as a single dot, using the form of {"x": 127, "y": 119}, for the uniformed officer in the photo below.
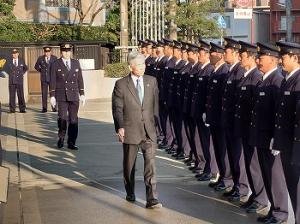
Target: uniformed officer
{"x": 258, "y": 199}
{"x": 199, "y": 97}
{"x": 42, "y": 65}
{"x": 213, "y": 118}
{"x": 150, "y": 60}
{"x": 262, "y": 134}
{"x": 233, "y": 143}
{"x": 66, "y": 85}
{"x": 16, "y": 68}
{"x": 287, "y": 123}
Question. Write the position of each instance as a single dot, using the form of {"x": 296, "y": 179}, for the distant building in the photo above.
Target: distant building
{"x": 278, "y": 20}
{"x": 57, "y": 11}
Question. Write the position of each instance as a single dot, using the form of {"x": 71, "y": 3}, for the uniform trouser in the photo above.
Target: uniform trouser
{"x": 218, "y": 139}
{"x": 68, "y": 112}
{"x": 253, "y": 171}
{"x": 195, "y": 144}
{"x": 207, "y": 150}
{"x": 163, "y": 116}
{"x": 45, "y": 88}
{"x": 188, "y": 134}
{"x": 177, "y": 124}
{"x": 13, "y": 88}
{"x": 292, "y": 174}
{"x": 274, "y": 181}
{"x": 170, "y": 130}
{"x": 130, "y": 153}
{"x": 236, "y": 161}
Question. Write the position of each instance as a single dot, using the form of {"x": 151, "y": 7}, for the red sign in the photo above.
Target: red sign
{"x": 243, "y": 3}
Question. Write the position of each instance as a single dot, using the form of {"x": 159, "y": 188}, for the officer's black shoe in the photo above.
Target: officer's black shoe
{"x": 12, "y": 111}
{"x": 180, "y": 156}
{"x": 60, "y": 143}
{"x": 152, "y": 204}
{"x": 54, "y": 110}
{"x": 130, "y": 198}
{"x": 220, "y": 187}
{"x": 274, "y": 220}
{"x": 247, "y": 204}
{"x": 264, "y": 219}
{"x": 44, "y": 110}
{"x": 236, "y": 196}
{"x": 213, "y": 184}
{"x": 255, "y": 207}
{"x": 72, "y": 147}
{"x": 23, "y": 111}
{"x": 204, "y": 177}
{"x": 229, "y": 193}
{"x": 188, "y": 160}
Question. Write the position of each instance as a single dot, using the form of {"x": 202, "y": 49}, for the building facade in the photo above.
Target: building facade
{"x": 58, "y": 11}
{"x": 278, "y": 20}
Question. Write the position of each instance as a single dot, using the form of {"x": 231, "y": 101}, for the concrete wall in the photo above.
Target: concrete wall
{"x": 96, "y": 86}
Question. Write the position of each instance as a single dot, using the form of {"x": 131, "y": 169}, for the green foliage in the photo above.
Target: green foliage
{"x": 116, "y": 70}
{"x": 193, "y": 18}
{"x": 6, "y": 8}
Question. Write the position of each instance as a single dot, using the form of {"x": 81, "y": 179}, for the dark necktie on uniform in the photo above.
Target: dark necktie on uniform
{"x": 139, "y": 90}
{"x": 15, "y": 62}
{"x": 47, "y": 60}
{"x": 67, "y": 65}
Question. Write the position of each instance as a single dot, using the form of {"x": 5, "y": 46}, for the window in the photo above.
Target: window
{"x": 281, "y": 3}
{"x": 227, "y": 21}
{"x": 62, "y": 3}
{"x": 282, "y": 23}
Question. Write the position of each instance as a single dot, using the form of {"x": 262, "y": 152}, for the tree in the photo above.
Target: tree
{"x": 193, "y": 19}
{"x": 96, "y": 7}
{"x": 6, "y": 8}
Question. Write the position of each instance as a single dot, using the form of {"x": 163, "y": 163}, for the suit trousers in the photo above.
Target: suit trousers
{"x": 275, "y": 184}
{"x": 218, "y": 139}
{"x": 13, "y": 88}
{"x": 45, "y": 89}
{"x": 254, "y": 175}
{"x": 292, "y": 174}
{"x": 129, "y": 160}
{"x": 236, "y": 161}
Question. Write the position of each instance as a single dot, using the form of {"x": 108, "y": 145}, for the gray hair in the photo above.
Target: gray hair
{"x": 135, "y": 58}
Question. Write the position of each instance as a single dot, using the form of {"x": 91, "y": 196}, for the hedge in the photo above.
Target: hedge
{"x": 116, "y": 70}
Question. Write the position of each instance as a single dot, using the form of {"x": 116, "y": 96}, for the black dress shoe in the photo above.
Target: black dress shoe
{"x": 23, "y": 111}
{"x": 60, "y": 143}
{"x": 213, "y": 184}
{"x": 44, "y": 110}
{"x": 246, "y": 204}
{"x": 220, "y": 187}
{"x": 264, "y": 219}
{"x": 255, "y": 207}
{"x": 54, "y": 110}
{"x": 236, "y": 196}
{"x": 229, "y": 193}
{"x": 153, "y": 204}
{"x": 204, "y": 177}
{"x": 274, "y": 220}
{"x": 12, "y": 112}
{"x": 130, "y": 198}
{"x": 188, "y": 160}
{"x": 72, "y": 147}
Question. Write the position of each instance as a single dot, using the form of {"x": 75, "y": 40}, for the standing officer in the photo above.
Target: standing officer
{"x": 262, "y": 134}
{"x": 233, "y": 143}
{"x": 66, "y": 84}
{"x": 42, "y": 65}
{"x": 198, "y": 108}
{"x": 213, "y": 115}
{"x": 16, "y": 68}
{"x": 149, "y": 58}
{"x": 287, "y": 131}
{"x": 258, "y": 199}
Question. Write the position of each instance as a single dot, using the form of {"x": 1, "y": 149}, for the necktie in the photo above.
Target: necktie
{"x": 139, "y": 90}
{"x": 47, "y": 60}
{"x": 67, "y": 65}
{"x": 15, "y": 62}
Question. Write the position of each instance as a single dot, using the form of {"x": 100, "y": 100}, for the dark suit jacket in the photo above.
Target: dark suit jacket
{"x": 128, "y": 113}
{"x": 245, "y": 102}
{"x": 150, "y": 61}
{"x": 287, "y": 123}
{"x": 214, "y": 95}
{"x": 66, "y": 85}
{"x": 229, "y": 95}
{"x": 263, "y": 117}
{"x": 16, "y": 74}
{"x": 159, "y": 68}
{"x": 44, "y": 68}
{"x": 165, "y": 79}
{"x": 199, "y": 94}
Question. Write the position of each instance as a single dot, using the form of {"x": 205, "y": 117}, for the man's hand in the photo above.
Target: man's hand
{"x": 121, "y": 134}
{"x": 275, "y": 152}
{"x": 82, "y": 100}
{"x": 53, "y": 101}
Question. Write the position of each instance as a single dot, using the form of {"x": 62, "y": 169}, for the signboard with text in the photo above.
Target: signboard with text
{"x": 242, "y": 13}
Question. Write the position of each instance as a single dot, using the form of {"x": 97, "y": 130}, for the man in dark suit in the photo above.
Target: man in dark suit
{"x": 198, "y": 107}
{"x": 287, "y": 123}
{"x": 262, "y": 134}
{"x": 134, "y": 106}
{"x": 258, "y": 199}
{"x": 16, "y": 68}
{"x": 213, "y": 118}
{"x": 66, "y": 89}
{"x": 233, "y": 142}
{"x": 42, "y": 65}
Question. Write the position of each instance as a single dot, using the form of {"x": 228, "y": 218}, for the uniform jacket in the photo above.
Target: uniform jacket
{"x": 229, "y": 95}
{"x": 44, "y": 68}
{"x": 150, "y": 61}
{"x": 16, "y": 73}
{"x": 181, "y": 77}
{"x": 263, "y": 117}
{"x": 66, "y": 85}
{"x": 137, "y": 119}
{"x": 159, "y": 67}
{"x": 165, "y": 79}
{"x": 199, "y": 94}
{"x": 214, "y": 95}
{"x": 245, "y": 102}
{"x": 287, "y": 121}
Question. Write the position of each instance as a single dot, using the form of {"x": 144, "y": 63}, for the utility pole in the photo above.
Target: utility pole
{"x": 124, "y": 29}
{"x": 289, "y": 20}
